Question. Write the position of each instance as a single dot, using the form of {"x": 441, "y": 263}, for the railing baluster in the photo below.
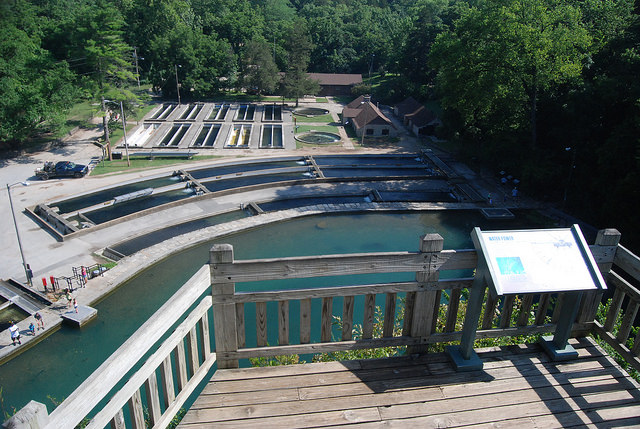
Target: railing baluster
{"x": 261, "y": 324}
{"x": 627, "y": 321}
{"x": 525, "y": 309}
{"x": 436, "y": 311}
{"x": 305, "y": 321}
{"x": 347, "y": 318}
{"x": 507, "y": 310}
{"x": 117, "y": 422}
{"x": 369, "y": 316}
{"x": 636, "y": 345}
{"x": 168, "y": 391}
{"x": 389, "y": 315}
{"x": 283, "y": 323}
{"x": 192, "y": 343}
{"x": 135, "y": 409}
{"x": 614, "y": 309}
{"x": 452, "y": 310}
{"x": 153, "y": 399}
{"x": 326, "y": 320}
{"x": 489, "y": 311}
{"x": 242, "y": 340}
{"x": 409, "y": 303}
{"x": 205, "y": 340}
{"x": 543, "y": 306}
{"x": 181, "y": 365}
{"x": 557, "y": 308}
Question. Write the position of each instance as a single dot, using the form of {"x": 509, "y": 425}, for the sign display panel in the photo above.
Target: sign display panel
{"x": 538, "y": 261}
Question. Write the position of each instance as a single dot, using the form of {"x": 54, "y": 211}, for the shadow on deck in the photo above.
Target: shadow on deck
{"x": 518, "y": 387}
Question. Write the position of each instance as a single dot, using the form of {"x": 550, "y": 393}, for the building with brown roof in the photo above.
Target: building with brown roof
{"x": 419, "y": 119}
{"x": 336, "y": 83}
{"x": 365, "y": 117}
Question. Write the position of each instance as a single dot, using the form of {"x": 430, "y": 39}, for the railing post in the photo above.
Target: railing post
{"x": 606, "y": 237}
{"x": 32, "y": 416}
{"x": 224, "y": 314}
{"x": 424, "y": 304}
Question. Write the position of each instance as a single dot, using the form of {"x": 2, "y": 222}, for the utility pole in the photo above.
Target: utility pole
{"x": 135, "y": 56}
{"x": 177, "y": 83}
{"x": 124, "y": 130}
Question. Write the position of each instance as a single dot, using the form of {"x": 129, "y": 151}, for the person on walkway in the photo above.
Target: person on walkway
{"x": 15, "y": 333}
{"x": 67, "y": 295}
{"x": 32, "y": 329}
{"x": 39, "y": 320}
{"x": 75, "y": 305}
{"x": 514, "y": 194}
{"x": 84, "y": 275}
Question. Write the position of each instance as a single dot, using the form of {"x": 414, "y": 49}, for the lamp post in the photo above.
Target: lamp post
{"x": 27, "y": 271}
{"x": 177, "y": 83}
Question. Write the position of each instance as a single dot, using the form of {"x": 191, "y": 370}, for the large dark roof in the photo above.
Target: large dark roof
{"x": 336, "y": 79}
{"x": 407, "y": 106}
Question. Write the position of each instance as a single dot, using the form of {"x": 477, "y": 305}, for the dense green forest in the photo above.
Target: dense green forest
{"x": 547, "y": 90}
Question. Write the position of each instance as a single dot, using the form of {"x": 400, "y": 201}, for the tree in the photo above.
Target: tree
{"x": 501, "y": 55}
{"x": 430, "y": 18}
{"x": 296, "y": 82}
{"x": 35, "y": 90}
{"x": 109, "y": 56}
{"x": 259, "y": 69}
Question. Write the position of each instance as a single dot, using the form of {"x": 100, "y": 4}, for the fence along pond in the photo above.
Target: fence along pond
{"x": 187, "y": 350}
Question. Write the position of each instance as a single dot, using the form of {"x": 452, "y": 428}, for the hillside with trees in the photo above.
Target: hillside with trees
{"x": 547, "y": 90}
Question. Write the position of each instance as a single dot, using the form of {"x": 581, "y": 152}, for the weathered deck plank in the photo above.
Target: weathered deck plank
{"x": 518, "y": 386}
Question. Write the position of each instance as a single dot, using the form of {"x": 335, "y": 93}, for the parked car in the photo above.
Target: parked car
{"x": 61, "y": 169}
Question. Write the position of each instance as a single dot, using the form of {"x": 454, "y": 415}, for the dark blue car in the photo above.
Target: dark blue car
{"x": 61, "y": 169}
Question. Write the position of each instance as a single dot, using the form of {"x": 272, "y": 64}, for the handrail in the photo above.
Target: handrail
{"x": 146, "y": 374}
{"x": 425, "y": 321}
{"x": 82, "y": 401}
{"x": 623, "y": 307}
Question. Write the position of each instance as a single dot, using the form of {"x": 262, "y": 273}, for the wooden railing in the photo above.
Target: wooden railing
{"x": 618, "y": 325}
{"x": 161, "y": 400}
{"x": 426, "y": 319}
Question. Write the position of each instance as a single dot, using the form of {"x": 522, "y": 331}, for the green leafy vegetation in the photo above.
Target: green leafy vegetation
{"x": 120, "y": 166}
{"x": 546, "y": 90}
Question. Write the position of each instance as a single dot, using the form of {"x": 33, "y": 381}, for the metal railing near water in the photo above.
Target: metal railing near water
{"x": 426, "y": 320}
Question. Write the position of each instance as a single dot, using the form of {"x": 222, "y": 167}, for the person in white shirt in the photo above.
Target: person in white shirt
{"x": 15, "y": 333}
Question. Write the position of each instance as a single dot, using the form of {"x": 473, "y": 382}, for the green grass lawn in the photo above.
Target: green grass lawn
{"x": 120, "y": 165}
{"x": 322, "y": 118}
{"x": 322, "y": 128}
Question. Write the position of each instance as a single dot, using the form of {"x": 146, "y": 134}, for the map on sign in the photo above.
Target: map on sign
{"x": 538, "y": 261}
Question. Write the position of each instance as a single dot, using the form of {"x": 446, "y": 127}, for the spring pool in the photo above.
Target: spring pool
{"x": 57, "y": 365}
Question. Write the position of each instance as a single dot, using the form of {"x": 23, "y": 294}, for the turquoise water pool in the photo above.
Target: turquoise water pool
{"x": 55, "y": 367}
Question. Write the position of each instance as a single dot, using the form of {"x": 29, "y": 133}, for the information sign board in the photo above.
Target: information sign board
{"x": 537, "y": 261}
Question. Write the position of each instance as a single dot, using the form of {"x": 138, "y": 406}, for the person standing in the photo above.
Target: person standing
{"x": 39, "y": 320}
{"x": 15, "y": 333}
{"x": 75, "y": 305}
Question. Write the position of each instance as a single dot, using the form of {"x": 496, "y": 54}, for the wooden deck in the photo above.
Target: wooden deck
{"x": 518, "y": 387}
